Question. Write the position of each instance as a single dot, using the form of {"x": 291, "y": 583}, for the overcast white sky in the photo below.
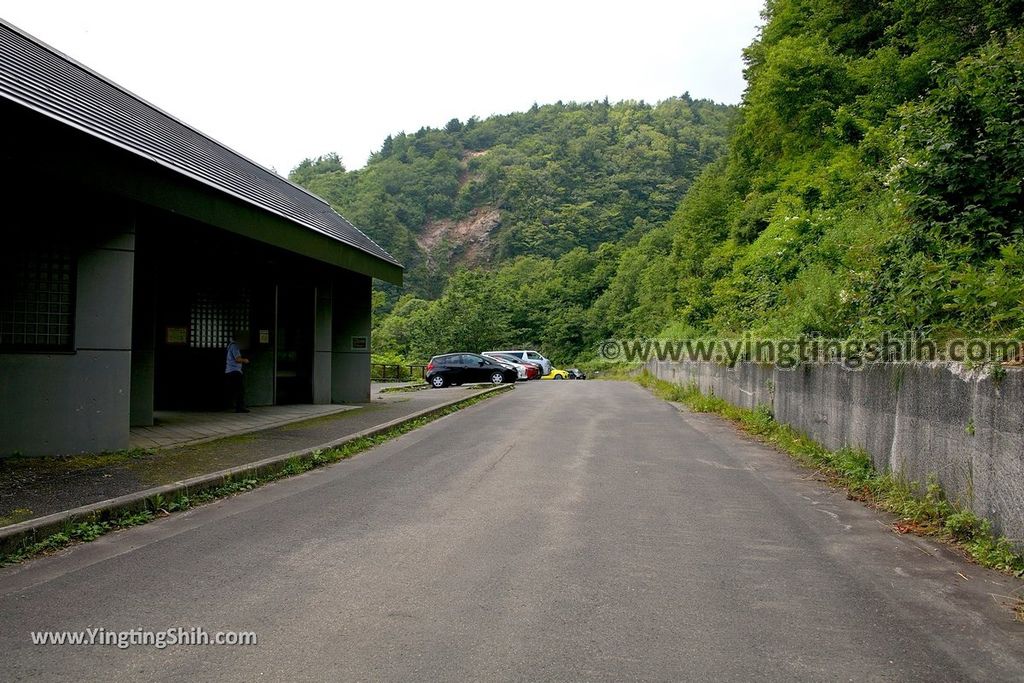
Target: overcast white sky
{"x": 282, "y": 81}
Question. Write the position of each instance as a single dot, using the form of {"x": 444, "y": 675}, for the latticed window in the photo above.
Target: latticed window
{"x": 37, "y": 299}
{"x": 216, "y": 314}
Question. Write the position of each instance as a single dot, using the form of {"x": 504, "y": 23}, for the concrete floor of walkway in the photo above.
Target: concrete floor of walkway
{"x": 181, "y": 428}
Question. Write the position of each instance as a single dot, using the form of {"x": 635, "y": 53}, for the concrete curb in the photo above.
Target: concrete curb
{"x": 31, "y": 531}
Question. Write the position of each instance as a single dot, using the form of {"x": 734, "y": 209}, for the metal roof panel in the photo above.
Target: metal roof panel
{"x": 37, "y": 76}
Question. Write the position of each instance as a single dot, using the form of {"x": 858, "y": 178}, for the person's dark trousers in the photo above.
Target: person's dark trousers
{"x": 236, "y": 390}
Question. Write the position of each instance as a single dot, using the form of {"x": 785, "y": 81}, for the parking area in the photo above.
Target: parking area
{"x": 496, "y": 367}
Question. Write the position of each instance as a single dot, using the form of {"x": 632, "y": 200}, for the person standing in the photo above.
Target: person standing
{"x": 233, "y": 374}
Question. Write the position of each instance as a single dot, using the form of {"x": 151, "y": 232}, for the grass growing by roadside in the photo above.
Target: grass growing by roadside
{"x": 15, "y": 463}
{"x": 413, "y": 387}
{"x": 81, "y": 532}
{"x": 927, "y": 513}
{"x": 78, "y": 532}
{"x": 609, "y": 370}
{"x": 16, "y": 515}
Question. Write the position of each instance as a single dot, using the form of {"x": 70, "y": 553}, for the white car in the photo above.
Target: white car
{"x": 520, "y": 368}
{"x": 528, "y": 355}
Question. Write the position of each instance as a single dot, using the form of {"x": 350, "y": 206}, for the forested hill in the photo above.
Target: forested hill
{"x": 539, "y": 182}
{"x": 874, "y": 180}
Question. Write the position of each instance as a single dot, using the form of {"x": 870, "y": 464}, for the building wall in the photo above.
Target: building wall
{"x": 350, "y": 366}
{"x": 60, "y": 403}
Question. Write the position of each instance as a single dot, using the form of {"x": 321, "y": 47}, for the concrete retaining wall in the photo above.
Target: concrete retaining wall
{"x": 962, "y": 427}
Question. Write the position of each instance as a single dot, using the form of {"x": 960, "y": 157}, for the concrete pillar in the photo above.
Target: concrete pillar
{"x": 350, "y": 343}
{"x": 260, "y": 345}
{"x": 322, "y": 342}
{"x": 143, "y": 333}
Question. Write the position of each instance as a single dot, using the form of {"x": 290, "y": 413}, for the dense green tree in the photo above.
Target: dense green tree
{"x": 870, "y": 180}
{"x": 562, "y": 175}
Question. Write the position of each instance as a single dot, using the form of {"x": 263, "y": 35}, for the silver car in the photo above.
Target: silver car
{"x": 520, "y": 368}
{"x": 531, "y": 356}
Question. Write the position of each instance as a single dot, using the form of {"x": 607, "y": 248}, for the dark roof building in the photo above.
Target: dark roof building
{"x": 138, "y": 245}
{"x": 44, "y": 80}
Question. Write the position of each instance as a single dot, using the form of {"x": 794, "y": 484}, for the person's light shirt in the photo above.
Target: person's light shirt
{"x": 231, "y": 363}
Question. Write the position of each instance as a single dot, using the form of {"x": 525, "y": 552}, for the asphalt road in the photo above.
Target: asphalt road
{"x": 567, "y": 530}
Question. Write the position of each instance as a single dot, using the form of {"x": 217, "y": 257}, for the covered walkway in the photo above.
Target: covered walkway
{"x": 182, "y": 428}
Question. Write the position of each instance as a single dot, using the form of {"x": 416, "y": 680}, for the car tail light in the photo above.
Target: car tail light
{"x": 430, "y": 366}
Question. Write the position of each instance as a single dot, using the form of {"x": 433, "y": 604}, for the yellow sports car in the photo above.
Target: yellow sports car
{"x": 556, "y": 374}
